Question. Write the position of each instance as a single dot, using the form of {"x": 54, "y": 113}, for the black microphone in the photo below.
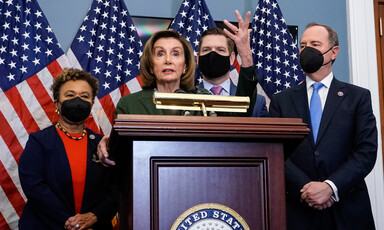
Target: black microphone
{"x": 198, "y": 90}
{"x": 185, "y": 112}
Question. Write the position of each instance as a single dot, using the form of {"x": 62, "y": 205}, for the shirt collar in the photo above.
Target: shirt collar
{"x": 326, "y": 81}
{"x": 226, "y": 85}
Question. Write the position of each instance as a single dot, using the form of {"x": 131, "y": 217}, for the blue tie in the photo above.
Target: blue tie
{"x": 315, "y": 109}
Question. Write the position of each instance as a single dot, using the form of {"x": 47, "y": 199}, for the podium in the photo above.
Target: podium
{"x": 172, "y": 163}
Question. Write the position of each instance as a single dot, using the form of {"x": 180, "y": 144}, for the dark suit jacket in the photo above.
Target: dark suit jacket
{"x": 142, "y": 103}
{"x": 345, "y": 154}
{"x": 45, "y": 177}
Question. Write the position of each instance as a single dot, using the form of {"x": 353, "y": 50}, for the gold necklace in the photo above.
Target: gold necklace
{"x": 66, "y": 133}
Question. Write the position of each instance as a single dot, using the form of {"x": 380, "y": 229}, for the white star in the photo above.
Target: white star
{"x": 38, "y": 25}
{"x": 36, "y": 61}
{"x": 103, "y": 25}
{"x": 102, "y": 37}
{"x": 129, "y": 61}
{"x": 119, "y": 67}
{"x": 98, "y": 59}
{"x": 110, "y": 51}
{"x": 127, "y": 72}
{"x": 109, "y": 62}
{"x": 23, "y": 69}
{"x": 277, "y": 82}
{"x": 132, "y": 27}
{"x": 11, "y": 76}
{"x": 6, "y": 25}
{"x": 106, "y": 85}
{"x": 111, "y": 40}
{"x": 8, "y": 13}
{"x": 4, "y": 37}
{"x": 97, "y": 10}
{"x": 287, "y": 85}
{"x": 38, "y": 14}
{"x": 26, "y": 35}
{"x": 183, "y": 14}
{"x": 277, "y": 70}
{"x": 186, "y": 3}
{"x": 83, "y": 28}
{"x": 93, "y": 32}
{"x": 24, "y": 57}
{"x": 15, "y": 41}
{"x": 130, "y": 50}
{"x": 12, "y": 64}
{"x": 181, "y": 24}
{"x": 13, "y": 52}
{"x": 118, "y": 78}
{"x": 91, "y": 43}
{"x": 37, "y": 49}
{"x": 268, "y": 79}
{"x": 49, "y": 40}
{"x": 96, "y": 70}
{"x": 105, "y": 15}
{"x": 107, "y": 74}
{"x": 1, "y": 61}
{"x": 89, "y": 54}
{"x": 2, "y": 49}
{"x": 48, "y": 52}
{"x": 37, "y": 37}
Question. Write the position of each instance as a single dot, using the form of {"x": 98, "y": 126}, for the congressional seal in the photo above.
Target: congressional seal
{"x": 210, "y": 216}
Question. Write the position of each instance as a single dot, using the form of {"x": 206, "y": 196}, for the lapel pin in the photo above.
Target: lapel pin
{"x": 340, "y": 94}
{"x": 92, "y": 136}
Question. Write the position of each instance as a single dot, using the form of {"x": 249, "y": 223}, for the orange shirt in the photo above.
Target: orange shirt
{"x": 77, "y": 157}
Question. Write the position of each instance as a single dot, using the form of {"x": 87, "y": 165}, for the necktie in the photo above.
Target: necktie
{"x": 315, "y": 109}
{"x": 216, "y": 90}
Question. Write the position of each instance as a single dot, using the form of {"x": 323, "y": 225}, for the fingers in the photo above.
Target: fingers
{"x": 102, "y": 152}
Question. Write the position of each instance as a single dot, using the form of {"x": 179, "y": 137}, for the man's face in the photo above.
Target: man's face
{"x": 217, "y": 43}
{"x": 317, "y": 37}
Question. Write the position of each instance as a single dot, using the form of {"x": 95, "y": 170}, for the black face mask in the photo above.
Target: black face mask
{"x": 312, "y": 59}
{"x": 214, "y": 65}
{"x": 75, "y": 109}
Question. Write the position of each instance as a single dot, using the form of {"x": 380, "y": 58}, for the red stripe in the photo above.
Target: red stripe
{"x": 54, "y": 68}
{"x": 236, "y": 65}
{"x": 108, "y": 106}
{"x": 91, "y": 124}
{"x": 10, "y": 138}
{"x": 139, "y": 80}
{"x": 3, "y": 223}
{"x": 43, "y": 97}
{"x": 22, "y": 110}
{"x": 11, "y": 191}
{"x": 124, "y": 90}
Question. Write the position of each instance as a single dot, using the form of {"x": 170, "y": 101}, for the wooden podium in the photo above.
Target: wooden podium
{"x": 172, "y": 163}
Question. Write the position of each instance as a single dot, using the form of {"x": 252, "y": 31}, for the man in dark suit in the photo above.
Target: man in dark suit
{"x": 325, "y": 187}
{"x": 216, "y": 55}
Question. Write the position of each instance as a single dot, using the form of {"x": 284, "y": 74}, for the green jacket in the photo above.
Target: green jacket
{"x": 142, "y": 103}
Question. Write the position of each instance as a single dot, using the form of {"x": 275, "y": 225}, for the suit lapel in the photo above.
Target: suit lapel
{"x": 300, "y": 101}
{"x": 336, "y": 94}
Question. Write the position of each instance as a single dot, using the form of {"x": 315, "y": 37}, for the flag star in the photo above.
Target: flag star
{"x": 2, "y": 49}
{"x": 103, "y": 25}
{"x": 119, "y": 56}
{"x": 132, "y": 27}
{"x": 93, "y": 32}
{"x": 13, "y": 52}
{"x": 268, "y": 79}
{"x": 105, "y": 15}
{"x": 36, "y": 61}
{"x": 95, "y": 21}
{"x": 37, "y": 49}
{"x": 109, "y": 62}
{"x": 6, "y": 25}
{"x": 277, "y": 82}
{"x": 286, "y": 74}
{"x": 96, "y": 70}
{"x": 106, "y": 85}
{"x": 259, "y": 65}
{"x": 124, "y": 12}
{"x": 4, "y": 37}
{"x": 49, "y": 29}
{"x": 26, "y": 35}
{"x": 260, "y": 54}
{"x": 23, "y": 69}
{"x": 277, "y": 70}
{"x": 49, "y": 40}
{"x": 118, "y": 78}
{"x": 206, "y": 17}
{"x": 83, "y": 28}
{"x": 122, "y": 24}
{"x": 268, "y": 57}
{"x": 294, "y": 55}
{"x": 286, "y": 62}
{"x": 261, "y": 32}
{"x": 294, "y": 67}
{"x": 296, "y": 77}
{"x": 186, "y": 3}
{"x": 89, "y": 54}
{"x": 2, "y": 61}
{"x": 38, "y": 25}
{"x": 106, "y": 3}
{"x": 91, "y": 43}
{"x": 131, "y": 38}
{"x": 287, "y": 85}
{"x": 113, "y": 29}
{"x": 183, "y": 14}
{"x": 277, "y": 47}
{"x": 12, "y": 64}
{"x": 127, "y": 72}
{"x": 24, "y": 57}
{"x": 97, "y": 10}
{"x": 129, "y": 61}
{"x": 268, "y": 46}
{"x": 111, "y": 40}
{"x": 119, "y": 67}
{"x": 102, "y": 37}
{"x": 293, "y": 45}
{"x": 98, "y": 59}
{"x": 261, "y": 42}
{"x": 130, "y": 50}
{"x": 37, "y": 37}
{"x": 15, "y": 41}
{"x": 140, "y": 53}
{"x": 121, "y": 34}
{"x": 277, "y": 59}
{"x": 48, "y": 52}
{"x": 27, "y": 11}
{"x": 181, "y": 24}
{"x": 268, "y": 68}
{"x": 121, "y": 45}
{"x": 190, "y": 18}
{"x": 114, "y": 18}
{"x": 107, "y": 74}
{"x": 38, "y": 14}
{"x": 8, "y": 13}
{"x": 16, "y": 29}
{"x": 110, "y": 51}
{"x": 11, "y": 76}
{"x": 189, "y": 28}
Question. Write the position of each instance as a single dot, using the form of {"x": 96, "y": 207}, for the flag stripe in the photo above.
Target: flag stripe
{"x": 108, "y": 106}
{"x": 7, "y": 213}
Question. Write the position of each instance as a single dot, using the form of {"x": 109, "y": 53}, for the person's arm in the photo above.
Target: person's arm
{"x": 362, "y": 160}
{"x": 34, "y": 184}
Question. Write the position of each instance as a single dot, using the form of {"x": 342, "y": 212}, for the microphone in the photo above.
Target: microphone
{"x": 186, "y": 112}
{"x": 198, "y": 90}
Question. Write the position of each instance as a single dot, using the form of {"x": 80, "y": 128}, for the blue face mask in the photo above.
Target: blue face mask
{"x": 214, "y": 65}
{"x": 312, "y": 59}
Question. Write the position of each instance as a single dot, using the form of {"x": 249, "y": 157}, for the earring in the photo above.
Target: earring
{"x": 185, "y": 69}
{"x": 57, "y": 111}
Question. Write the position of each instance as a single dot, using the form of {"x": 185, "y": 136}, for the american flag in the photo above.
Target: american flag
{"x": 191, "y": 21}
{"x": 275, "y": 54}
{"x": 30, "y": 57}
{"x": 107, "y": 45}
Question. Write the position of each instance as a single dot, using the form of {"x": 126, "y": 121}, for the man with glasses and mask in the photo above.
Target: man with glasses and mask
{"x": 325, "y": 187}
{"x": 216, "y": 55}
